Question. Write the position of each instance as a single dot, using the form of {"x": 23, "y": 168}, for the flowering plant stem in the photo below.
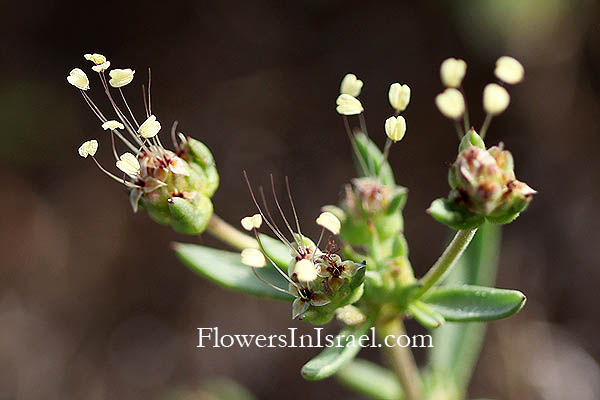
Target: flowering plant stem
{"x": 401, "y": 360}
{"x": 226, "y": 233}
{"x": 448, "y": 258}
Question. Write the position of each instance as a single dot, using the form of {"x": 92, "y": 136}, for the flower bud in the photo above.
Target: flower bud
{"x": 351, "y": 85}
{"x": 451, "y": 103}
{"x": 395, "y": 128}
{"x": 483, "y": 185}
{"x": 399, "y": 96}
{"x": 509, "y": 70}
{"x": 495, "y": 99}
{"x": 452, "y": 72}
{"x": 348, "y": 105}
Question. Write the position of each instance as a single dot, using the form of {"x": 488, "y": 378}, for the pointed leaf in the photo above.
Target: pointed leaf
{"x": 226, "y": 269}
{"x": 474, "y": 303}
{"x": 371, "y": 380}
{"x": 330, "y": 360}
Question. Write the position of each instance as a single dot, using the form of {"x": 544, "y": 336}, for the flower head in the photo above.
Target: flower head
{"x": 253, "y": 258}
{"x": 351, "y": 85}
{"x": 495, "y": 99}
{"x": 174, "y": 187}
{"x": 149, "y": 128}
{"x": 253, "y": 222}
{"x": 348, "y": 105}
{"x": 509, "y": 70}
{"x": 79, "y": 79}
{"x": 451, "y": 103}
{"x": 120, "y": 77}
{"x": 129, "y": 164}
{"x": 112, "y": 125}
{"x": 452, "y": 72}
{"x": 395, "y": 128}
{"x": 399, "y": 96}
{"x": 88, "y": 148}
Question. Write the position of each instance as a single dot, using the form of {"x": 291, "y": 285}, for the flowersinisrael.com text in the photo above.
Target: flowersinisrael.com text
{"x": 211, "y": 337}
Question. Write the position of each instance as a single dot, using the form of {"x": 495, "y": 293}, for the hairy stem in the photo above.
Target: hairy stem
{"x": 227, "y": 234}
{"x": 401, "y": 359}
{"x": 448, "y": 258}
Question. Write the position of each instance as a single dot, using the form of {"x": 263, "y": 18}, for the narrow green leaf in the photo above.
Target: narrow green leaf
{"x": 474, "y": 303}
{"x": 226, "y": 269}
{"x": 330, "y": 360}
{"x": 457, "y": 345}
{"x": 371, "y": 380}
{"x": 426, "y": 316}
{"x": 370, "y": 162}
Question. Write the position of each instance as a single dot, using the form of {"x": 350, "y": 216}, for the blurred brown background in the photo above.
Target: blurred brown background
{"x": 93, "y": 303}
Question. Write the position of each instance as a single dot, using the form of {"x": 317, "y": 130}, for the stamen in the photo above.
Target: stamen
{"x": 149, "y": 95}
{"x": 103, "y": 119}
{"x": 273, "y": 229}
{"x": 145, "y": 101}
{"x": 268, "y": 211}
{"x": 287, "y": 185}
{"x": 93, "y": 106}
{"x": 298, "y": 242}
{"x": 174, "y": 137}
{"x": 386, "y": 152}
{"x": 116, "y": 178}
{"x": 120, "y": 113}
{"x": 466, "y": 115}
{"x": 262, "y": 248}
{"x": 260, "y": 278}
{"x": 129, "y": 108}
{"x": 486, "y": 125}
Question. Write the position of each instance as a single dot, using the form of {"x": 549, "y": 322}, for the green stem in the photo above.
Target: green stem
{"x": 227, "y": 234}
{"x": 447, "y": 259}
{"x": 402, "y": 360}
